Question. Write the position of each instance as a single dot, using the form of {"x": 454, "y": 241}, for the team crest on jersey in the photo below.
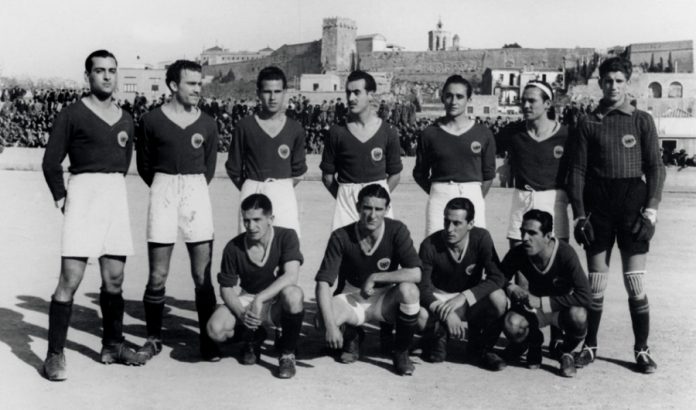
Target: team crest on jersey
{"x": 470, "y": 269}
{"x": 122, "y": 138}
{"x": 196, "y": 140}
{"x": 284, "y": 151}
{"x": 476, "y": 147}
{"x": 377, "y": 154}
{"x": 383, "y": 264}
{"x": 558, "y": 151}
{"x": 628, "y": 141}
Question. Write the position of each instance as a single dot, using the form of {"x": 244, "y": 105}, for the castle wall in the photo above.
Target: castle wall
{"x": 682, "y": 54}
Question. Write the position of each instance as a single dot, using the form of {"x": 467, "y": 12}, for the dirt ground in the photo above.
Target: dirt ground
{"x": 30, "y": 254}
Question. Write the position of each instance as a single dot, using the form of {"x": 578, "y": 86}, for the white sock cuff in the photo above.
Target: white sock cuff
{"x": 409, "y": 308}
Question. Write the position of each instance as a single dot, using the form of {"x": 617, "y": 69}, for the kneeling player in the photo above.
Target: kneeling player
{"x": 550, "y": 288}
{"x": 453, "y": 288}
{"x": 378, "y": 268}
{"x": 265, "y": 261}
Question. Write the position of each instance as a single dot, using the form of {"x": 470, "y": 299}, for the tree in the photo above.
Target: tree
{"x": 512, "y": 45}
{"x": 670, "y": 64}
{"x": 661, "y": 65}
{"x": 651, "y": 69}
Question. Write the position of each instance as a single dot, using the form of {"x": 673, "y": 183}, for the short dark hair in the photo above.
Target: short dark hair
{"x": 464, "y": 204}
{"x": 271, "y": 73}
{"x": 458, "y": 79}
{"x": 97, "y": 54}
{"x": 614, "y": 64}
{"x": 374, "y": 190}
{"x": 544, "y": 218}
{"x": 370, "y": 84}
{"x": 257, "y": 201}
{"x": 175, "y": 69}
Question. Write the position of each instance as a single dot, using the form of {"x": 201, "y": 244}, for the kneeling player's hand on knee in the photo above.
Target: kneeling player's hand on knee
{"x": 455, "y": 326}
{"x": 334, "y": 337}
{"x": 251, "y": 319}
{"x": 448, "y": 308}
{"x": 368, "y": 288}
{"x": 644, "y": 227}
{"x": 584, "y": 234}
{"x": 517, "y": 294}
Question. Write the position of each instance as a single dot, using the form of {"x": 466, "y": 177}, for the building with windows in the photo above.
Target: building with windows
{"x": 507, "y": 83}
{"x": 219, "y": 55}
{"x": 146, "y": 81}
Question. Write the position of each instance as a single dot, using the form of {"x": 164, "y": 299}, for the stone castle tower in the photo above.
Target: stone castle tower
{"x": 338, "y": 44}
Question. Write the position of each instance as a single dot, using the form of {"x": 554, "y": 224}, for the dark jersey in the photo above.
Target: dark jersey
{"x": 563, "y": 281}
{"x": 359, "y": 162}
{"x": 90, "y": 143}
{"x": 441, "y": 271}
{"x": 255, "y": 155}
{"x": 616, "y": 144}
{"x": 539, "y": 165}
{"x": 237, "y": 268}
{"x": 165, "y": 147}
{"x": 445, "y": 157}
{"x": 345, "y": 260}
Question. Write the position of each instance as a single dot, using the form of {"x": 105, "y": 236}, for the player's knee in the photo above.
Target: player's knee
{"x": 633, "y": 282}
{"x": 423, "y": 318}
{"x": 498, "y": 303}
{"x": 574, "y": 319}
{"x": 216, "y": 331}
{"x": 408, "y": 292}
{"x": 157, "y": 279}
{"x": 598, "y": 283}
{"x": 516, "y": 327}
{"x": 292, "y": 299}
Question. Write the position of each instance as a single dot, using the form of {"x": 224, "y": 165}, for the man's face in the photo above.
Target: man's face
{"x": 358, "y": 98}
{"x": 614, "y": 85}
{"x": 372, "y": 211}
{"x": 456, "y": 225}
{"x": 533, "y": 240}
{"x": 256, "y": 223}
{"x": 188, "y": 90}
{"x": 102, "y": 78}
{"x": 272, "y": 95}
{"x": 533, "y": 105}
{"x": 455, "y": 100}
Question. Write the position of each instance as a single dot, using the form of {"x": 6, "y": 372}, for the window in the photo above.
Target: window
{"x": 543, "y": 77}
{"x": 655, "y": 90}
{"x": 512, "y": 79}
{"x": 469, "y": 110}
{"x": 155, "y": 87}
{"x": 315, "y": 86}
{"x": 486, "y": 110}
{"x": 129, "y": 88}
{"x": 675, "y": 90}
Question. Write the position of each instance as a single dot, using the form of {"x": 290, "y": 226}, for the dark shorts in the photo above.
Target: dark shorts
{"x": 615, "y": 205}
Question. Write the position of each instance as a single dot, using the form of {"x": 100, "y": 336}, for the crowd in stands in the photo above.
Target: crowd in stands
{"x": 26, "y": 118}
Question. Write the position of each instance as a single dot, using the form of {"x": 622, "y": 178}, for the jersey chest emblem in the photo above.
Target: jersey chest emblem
{"x": 470, "y": 269}
{"x": 383, "y": 264}
{"x": 377, "y": 154}
{"x": 122, "y": 138}
{"x": 628, "y": 141}
{"x": 284, "y": 151}
{"x": 557, "y": 151}
{"x": 196, "y": 140}
{"x": 476, "y": 147}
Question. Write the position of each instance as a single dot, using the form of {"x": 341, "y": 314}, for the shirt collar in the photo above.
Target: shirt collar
{"x": 625, "y": 108}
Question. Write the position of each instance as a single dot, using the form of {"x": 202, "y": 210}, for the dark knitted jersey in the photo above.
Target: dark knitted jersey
{"x": 345, "y": 260}
{"x": 613, "y": 144}
{"x": 255, "y": 155}
{"x": 539, "y": 165}
{"x": 444, "y": 157}
{"x": 237, "y": 268}
{"x": 478, "y": 270}
{"x": 563, "y": 280}
{"x": 91, "y": 144}
{"x": 165, "y": 147}
{"x": 358, "y": 162}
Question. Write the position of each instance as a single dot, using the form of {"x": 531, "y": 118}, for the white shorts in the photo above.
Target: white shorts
{"x": 266, "y": 317}
{"x": 179, "y": 203}
{"x": 282, "y": 195}
{"x": 443, "y": 192}
{"x": 96, "y": 219}
{"x": 346, "y": 212}
{"x": 443, "y": 296}
{"x": 553, "y": 201}
{"x": 367, "y": 310}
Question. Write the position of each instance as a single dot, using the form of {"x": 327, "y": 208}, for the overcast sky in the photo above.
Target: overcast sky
{"x": 51, "y": 38}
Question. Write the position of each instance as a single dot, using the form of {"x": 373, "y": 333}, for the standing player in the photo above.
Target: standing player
{"x": 536, "y": 148}
{"x": 455, "y": 157}
{"x": 364, "y": 151}
{"x": 550, "y": 288}
{"x": 177, "y": 150}
{"x": 377, "y": 270}
{"x": 265, "y": 262}
{"x": 454, "y": 290}
{"x": 267, "y": 154}
{"x": 98, "y": 137}
{"x": 616, "y": 146}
